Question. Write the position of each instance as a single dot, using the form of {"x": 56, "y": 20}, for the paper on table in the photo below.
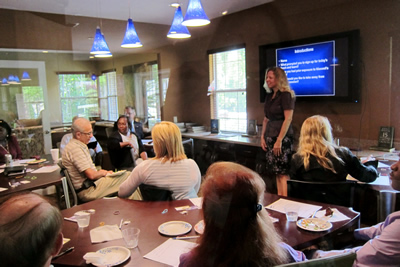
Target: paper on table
{"x": 336, "y": 217}
{"x": 47, "y": 169}
{"x": 305, "y": 210}
{"x": 169, "y": 251}
{"x": 105, "y": 233}
{"x": 380, "y": 180}
{"x": 198, "y": 201}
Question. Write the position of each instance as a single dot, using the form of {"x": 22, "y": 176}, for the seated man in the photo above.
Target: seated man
{"x": 89, "y": 183}
{"x": 30, "y": 231}
{"x": 383, "y": 240}
{"x": 96, "y": 152}
{"x": 136, "y": 126}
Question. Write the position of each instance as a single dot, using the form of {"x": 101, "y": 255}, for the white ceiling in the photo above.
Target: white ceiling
{"x": 148, "y": 11}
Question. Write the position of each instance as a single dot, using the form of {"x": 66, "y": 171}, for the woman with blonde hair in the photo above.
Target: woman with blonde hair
{"x": 170, "y": 169}
{"x": 318, "y": 159}
{"x": 238, "y": 230}
{"x": 277, "y": 132}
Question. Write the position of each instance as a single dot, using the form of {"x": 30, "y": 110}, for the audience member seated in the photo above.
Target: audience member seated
{"x": 383, "y": 240}
{"x": 170, "y": 169}
{"x": 237, "y": 228}
{"x": 89, "y": 183}
{"x": 136, "y": 126}
{"x": 124, "y": 146}
{"x": 8, "y": 143}
{"x": 30, "y": 231}
{"x": 318, "y": 159}
{"x": 95, "y": 150}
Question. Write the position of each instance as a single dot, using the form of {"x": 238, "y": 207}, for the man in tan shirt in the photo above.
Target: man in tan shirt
{"x": 89, "y": 183}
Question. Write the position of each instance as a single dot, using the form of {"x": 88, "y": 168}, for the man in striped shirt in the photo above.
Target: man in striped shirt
{"x": 89, "y": 183}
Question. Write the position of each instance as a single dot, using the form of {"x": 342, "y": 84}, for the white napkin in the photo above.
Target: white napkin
{"x": 94, "y": 258}
{"x": 336, "y": 217}
{"x": 105, "y": 233}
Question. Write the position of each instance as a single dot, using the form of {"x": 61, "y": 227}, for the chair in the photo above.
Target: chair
{"x": 153, "y": 193}
{"x": 386, "y": 203}
{"x": 342, "y": 260}
{"x": 70, "y": 185}
{"x": 337, "y": 193}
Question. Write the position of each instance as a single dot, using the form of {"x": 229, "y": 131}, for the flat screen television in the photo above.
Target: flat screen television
{"x": 321, "y": 68}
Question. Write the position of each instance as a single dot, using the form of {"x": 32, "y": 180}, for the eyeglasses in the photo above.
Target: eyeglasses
{"x": 88, "y": 133}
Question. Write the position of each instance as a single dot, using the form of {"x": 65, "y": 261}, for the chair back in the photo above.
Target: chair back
{"x": 337, "y": 193}
{"x": 153, "y": 193}
{"x": 386, "y": 203}
{"x": 342, "y": 260}
{"x": 69, "y": 182}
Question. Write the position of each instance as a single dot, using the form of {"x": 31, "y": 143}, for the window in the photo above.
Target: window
{"x": 78, "y": 95}
{"x": 228, "y": 89}
{"x": 33, "y": 101}
{"x": 108, "y": 96}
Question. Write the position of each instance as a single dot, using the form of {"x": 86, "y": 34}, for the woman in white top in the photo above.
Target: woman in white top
{"x": 170, "y": 169}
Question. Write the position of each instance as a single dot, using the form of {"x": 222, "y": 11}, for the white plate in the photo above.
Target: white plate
{"x": 175, "y": 228}
{"x": 314, "y": 224}
{"x": 36, "y": 161}
{"x": 113, "y": 255}
{"x": 199, "y": 227}
{"x": 116, "y": 173}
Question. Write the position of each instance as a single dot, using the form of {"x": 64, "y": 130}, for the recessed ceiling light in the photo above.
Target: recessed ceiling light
{"x": 175, "y": 5}
{"x": 45, "y": 51}
{"x": 224, "y": 12}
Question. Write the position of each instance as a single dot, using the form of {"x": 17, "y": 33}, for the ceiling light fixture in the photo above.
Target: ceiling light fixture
{"x": 195, "y": 15}
{"x": 131, "y": 39}
{"x": 175, "y": 5}
{"x": 177, "y": 30}
{"x": 25, "y": 76}
{"x": 103, "y": 55}
{"x": 99, "y": 44}
{"x": 4, "y": 82}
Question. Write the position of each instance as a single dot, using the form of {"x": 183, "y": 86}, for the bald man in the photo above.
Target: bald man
{"x": 89, "y": 183}
{"x": 30, "y": 231}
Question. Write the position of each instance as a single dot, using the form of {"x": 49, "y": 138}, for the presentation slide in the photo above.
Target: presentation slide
{"x": 309, "y": 68}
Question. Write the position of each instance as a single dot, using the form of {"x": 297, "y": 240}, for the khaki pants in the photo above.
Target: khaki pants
{"x": 106, "y": 186}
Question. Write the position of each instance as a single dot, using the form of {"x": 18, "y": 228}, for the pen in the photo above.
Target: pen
{"x": 186, "y": 237}
{"x": 63, "y": 252}
{"x": 120, "y": 224}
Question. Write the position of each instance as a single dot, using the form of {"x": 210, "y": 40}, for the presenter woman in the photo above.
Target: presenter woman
{"x": 277, "y": 132}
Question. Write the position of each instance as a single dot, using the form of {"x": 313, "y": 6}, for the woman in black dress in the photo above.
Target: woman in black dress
{"x": 277, "y": 132}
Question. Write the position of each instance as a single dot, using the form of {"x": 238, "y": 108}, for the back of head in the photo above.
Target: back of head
{"x": 237, "y": 230}
{"x": 167, "y": 141}
{"x": 29, "y": 228}
{"x": 316, "y": 139}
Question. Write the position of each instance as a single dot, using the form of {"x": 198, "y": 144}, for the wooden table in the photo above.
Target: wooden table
{"x": 37, "y": 180}
{"x": 147, "y": 216}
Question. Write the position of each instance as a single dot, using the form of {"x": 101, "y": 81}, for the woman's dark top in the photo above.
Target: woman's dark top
{"x": 13, "y": 149}
{"x": 316, "y": 173}
{"x": 274, "y": 112}
{"x": 121, "y": 157}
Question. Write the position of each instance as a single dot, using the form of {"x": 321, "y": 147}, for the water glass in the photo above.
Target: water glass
{"x": 82, "y": 218}
{"x": 131, "y": 237}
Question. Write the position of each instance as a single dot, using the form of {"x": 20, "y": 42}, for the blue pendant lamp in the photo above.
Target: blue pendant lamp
{"x": 25, "y": 76}
{"x": 99, "y": 44}
{"x": 11, "y": 79}
{"x": 131, "y": 39}
{"x": 103, "y": 55}
{"x": 4, "y": 82}
{"x": 16, "y": 80}
{"x": 178, "y": 30}
{"x": 195, "y": 15}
